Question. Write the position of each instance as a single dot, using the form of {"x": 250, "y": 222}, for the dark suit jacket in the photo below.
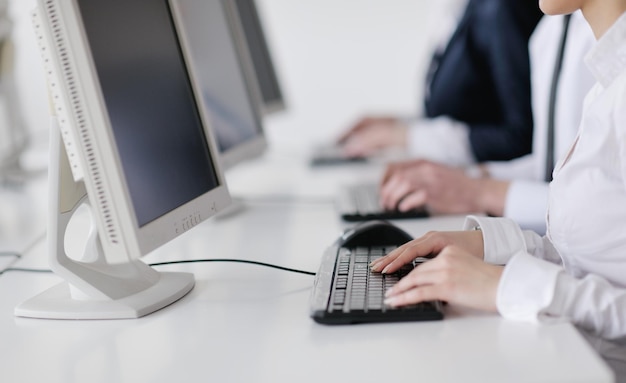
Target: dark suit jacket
{"x": 482, "y": 78}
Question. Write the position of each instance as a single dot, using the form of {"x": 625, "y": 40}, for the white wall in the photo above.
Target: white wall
{"x": 338, "y": 59}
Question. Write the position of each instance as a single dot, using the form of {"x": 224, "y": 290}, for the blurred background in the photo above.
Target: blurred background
{"x": 335, "y": 59}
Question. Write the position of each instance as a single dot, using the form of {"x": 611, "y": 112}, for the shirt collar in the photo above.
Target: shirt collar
{"x": 607, "y": 60}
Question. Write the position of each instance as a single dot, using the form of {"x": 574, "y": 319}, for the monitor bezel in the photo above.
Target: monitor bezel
{"x": 257, "y": 145}
{"x": 266, "y": 108}
{"x": 135, "y": 240}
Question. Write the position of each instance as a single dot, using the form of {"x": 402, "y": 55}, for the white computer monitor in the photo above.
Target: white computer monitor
{"x": 228, "y": 97}
{"x": 252, "y": 42}
{"x": 137, "y": 150}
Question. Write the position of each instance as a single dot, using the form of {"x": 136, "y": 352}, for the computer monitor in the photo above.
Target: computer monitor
{"x": 137, "y": 151}
{"x": 252, "y": 41}
{"x": 227, "y": 95}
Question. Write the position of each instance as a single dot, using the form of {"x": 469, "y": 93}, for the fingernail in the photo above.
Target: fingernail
{"x": 390, "y": 301}
{"x": 385, "y": 269}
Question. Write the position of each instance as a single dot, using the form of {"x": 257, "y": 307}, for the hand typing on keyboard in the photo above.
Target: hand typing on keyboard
{"x": 456, "y": 275}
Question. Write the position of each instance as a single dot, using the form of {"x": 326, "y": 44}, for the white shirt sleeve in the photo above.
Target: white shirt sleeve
{"x": 535, "y": 287}
{"x": 442, "y": 140}
{"x": 503, "y": 238}
{"x": 527, "y": 287}
{"x": 535, "y": 290}
{"x": 527, "y": 203}
{"x": 592, "y": 303}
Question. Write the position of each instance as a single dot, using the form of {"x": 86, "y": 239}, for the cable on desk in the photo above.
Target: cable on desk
{"x": 20, "y": 255}
{"x": 35, "y": 242}
{"x": 26, "y": 250}
{"x": 180, "y": 262}
{"x": 25, "y": 270}
{"x": 235, "y": 261}
{"x": 10, "y": 254}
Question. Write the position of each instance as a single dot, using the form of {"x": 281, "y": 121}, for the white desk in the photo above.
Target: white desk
{"x": 244, "y": 323}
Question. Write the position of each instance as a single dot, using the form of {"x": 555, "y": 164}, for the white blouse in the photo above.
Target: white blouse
{"x": 576, "y": 272}
{"x": 447, "y": 141}
{"x": 527, "y": 196}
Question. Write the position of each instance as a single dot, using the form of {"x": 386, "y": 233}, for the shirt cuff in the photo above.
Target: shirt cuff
{"x": 527, "y": 203}
{"x": 527, "y": 288}
{"x": 441, "y": 140}
{"x": 502, "y": 238}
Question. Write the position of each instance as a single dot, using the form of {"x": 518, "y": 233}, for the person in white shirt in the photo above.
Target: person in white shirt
{"x": 515, "y": 189}
{"x": 577, "y": 272}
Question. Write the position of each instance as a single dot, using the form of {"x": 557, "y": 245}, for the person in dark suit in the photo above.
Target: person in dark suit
{"x": 477, "y": 99}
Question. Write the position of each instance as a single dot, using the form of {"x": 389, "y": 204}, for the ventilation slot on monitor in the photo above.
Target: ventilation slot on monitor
{"x": 77, "y": 112}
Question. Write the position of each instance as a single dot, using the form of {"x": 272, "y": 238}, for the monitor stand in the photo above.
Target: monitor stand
{"x": 94, "y": 288}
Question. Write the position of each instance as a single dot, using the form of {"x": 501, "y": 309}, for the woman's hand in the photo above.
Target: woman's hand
{"x": 454, "y": 276}
{"x": 429, "y": 245}
{"x": 372, "y": 134}
{"x": 442, "y": 189}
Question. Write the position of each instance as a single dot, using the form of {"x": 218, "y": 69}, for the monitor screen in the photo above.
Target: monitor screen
{"x": 150, "y": 102}
{"x": 219, "y": 72}
{"x": 260, "y": 55}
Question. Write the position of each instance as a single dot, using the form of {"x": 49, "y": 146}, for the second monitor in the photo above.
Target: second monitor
{"x": 227, "y": 94}
{"x": 252, "y": 41}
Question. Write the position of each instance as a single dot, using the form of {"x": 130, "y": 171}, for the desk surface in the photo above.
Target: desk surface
{"x": 245, "y": 323}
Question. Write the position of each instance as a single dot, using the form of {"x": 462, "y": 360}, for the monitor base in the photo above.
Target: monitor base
{"x": 57, "y": 302}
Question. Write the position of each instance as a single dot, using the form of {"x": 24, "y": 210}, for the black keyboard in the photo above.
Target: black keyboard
{"x": 333, "y": 155}
{"x": 347, "y": 291}
{"x": 362, "y": 202}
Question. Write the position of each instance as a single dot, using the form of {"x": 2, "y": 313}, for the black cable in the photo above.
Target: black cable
{"x": 25, "y": 270}
{"x": 10, "y": 254}
{"x": 19, "y": 255}
{"x": 35, "y": 241}
{"x": 26, "y": 250}
{"x": 236, "y": 261}
{"x": 183, "y": 261}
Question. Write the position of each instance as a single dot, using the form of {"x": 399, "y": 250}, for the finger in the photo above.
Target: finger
{"x": 357, "y": 146}
{"x": 419, "y": 294}
{"x": 396, "y": 167}
{"x": 390, "y": 171}
{"x": 388, "y": 189}
{"x": 396, "y": 189}
{"x": 413, "y": 200}
{"x": 378, "y": 264}
{"x": 407, "y": 254}
{"x": 421, "y": 275}
{"x": 424, "y": 246}
{"x": 381, "y": 263}
{"x": 359, "y": 125}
